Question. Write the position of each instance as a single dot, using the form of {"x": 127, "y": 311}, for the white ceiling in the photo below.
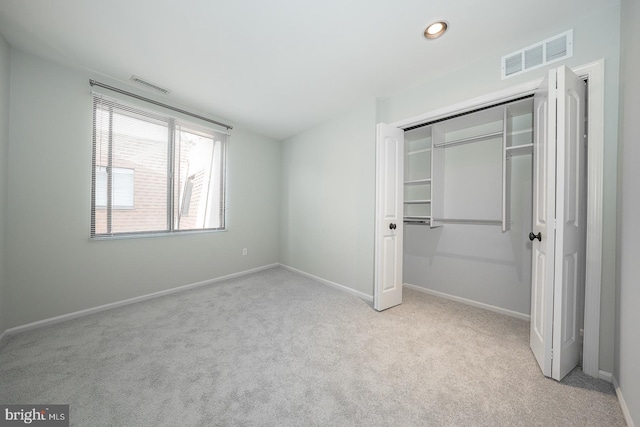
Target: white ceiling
{"x": 279, "y": 66}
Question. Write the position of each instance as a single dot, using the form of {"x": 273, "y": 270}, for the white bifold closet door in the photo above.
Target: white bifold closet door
{"x": 559, "y": 222}
{"x": 389, "y": 222}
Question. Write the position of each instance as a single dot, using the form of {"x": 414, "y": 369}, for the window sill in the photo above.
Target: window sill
{"x": 125, "y": 236}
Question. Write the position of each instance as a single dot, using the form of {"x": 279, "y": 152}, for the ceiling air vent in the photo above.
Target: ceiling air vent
{"x": 512, "y": 64}
{"x": 542, "y": 53}
{"x": 149, "y": 85}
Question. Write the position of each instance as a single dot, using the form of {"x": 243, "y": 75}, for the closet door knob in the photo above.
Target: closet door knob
{"x": 533, "y": 237}
{"x": 392, "y": 226}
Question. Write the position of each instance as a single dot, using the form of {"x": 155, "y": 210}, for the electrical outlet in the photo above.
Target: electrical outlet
{"x": 244, "y": 251}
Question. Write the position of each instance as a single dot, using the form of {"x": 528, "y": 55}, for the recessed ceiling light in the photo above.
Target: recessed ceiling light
{"x": 435, "y": 30}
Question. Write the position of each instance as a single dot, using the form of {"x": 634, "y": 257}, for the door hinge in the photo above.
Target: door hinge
{"x": 551, "y": 354}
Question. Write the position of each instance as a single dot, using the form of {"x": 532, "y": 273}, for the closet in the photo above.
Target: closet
{"x": 467, "y": 207}
{"x": 465, "y": 203}
{"x": 489, "y": 207}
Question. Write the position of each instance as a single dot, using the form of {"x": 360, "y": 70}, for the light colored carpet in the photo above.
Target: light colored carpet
{"x": 278, "y": 349}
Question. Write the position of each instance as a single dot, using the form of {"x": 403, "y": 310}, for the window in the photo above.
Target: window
{"x": 154, "y": 173}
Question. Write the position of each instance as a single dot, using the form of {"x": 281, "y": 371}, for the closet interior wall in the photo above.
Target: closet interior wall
{"x": 468, "y": 207}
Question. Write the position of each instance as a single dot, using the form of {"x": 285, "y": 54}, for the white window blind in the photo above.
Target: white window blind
{"x": 121, "y": 187}
{"x": 154, "y": 173}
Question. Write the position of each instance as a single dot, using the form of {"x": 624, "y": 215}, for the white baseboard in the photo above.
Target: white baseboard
{"x": 86, "y": 312}
{"x": 490, "y": 307}
{"x": 623, "y": 404}
{"x": 344, "y": 288}
{"x": 606, "y": 376}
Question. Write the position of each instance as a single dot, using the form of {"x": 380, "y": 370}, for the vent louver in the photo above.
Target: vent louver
{"x": 545, "y": 52}
{"x": 556, "y": 48}
{"x": 149, "y": 85}
{"x": 513, "y": 64}
{"x": 533, "y": 57}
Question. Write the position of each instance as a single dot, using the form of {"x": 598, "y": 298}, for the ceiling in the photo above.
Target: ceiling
{"x": 282, "y": 66}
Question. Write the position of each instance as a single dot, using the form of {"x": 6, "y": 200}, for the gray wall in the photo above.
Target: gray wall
{"x": 593, "y": 40}
{"x": 627, "y": 370}
{"x": 328, "y": 195}
{"x": 52, "y": 267}
{"x": 4, "y": 164}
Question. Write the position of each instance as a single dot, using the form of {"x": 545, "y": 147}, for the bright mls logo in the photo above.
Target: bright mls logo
{"x": 36, "y": 415}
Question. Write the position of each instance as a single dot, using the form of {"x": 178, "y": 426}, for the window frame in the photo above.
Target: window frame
{"x": 173, "y": 204}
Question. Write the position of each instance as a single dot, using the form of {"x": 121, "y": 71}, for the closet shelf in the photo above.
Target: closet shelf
{"x": 417, "y": 202}
{"x": 417, "y": 217}
{"x": 521, "y": 132}
{"x": 417, "y": 221}
{"x": 470, "y": 139}
{"x": 423, "y": 150}
{"x": 418, "y": 181}
{"x": 517, "y": 150}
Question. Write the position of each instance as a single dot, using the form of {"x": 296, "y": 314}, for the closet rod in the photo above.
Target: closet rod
{"x": 160, "y": 104}
{"x": 469, "y": 140}
{"x": 470, "y": 221}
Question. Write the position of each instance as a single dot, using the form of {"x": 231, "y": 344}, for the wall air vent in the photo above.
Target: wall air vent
{"x": 539, "y": 54}
{"x": 149, "y": 85}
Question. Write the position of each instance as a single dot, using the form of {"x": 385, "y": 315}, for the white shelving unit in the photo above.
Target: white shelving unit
{"x": 454, "y": 168}
{"x": 417, "y": 176}
{"x": 518, "y": 141}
